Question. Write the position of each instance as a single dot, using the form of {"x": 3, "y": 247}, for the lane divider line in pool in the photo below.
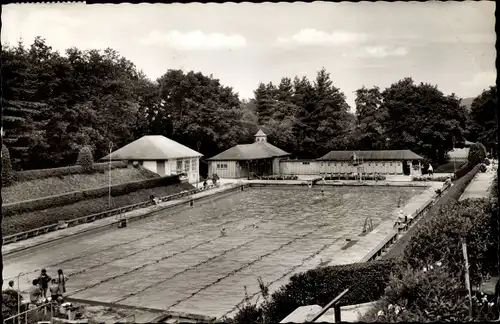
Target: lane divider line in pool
{"x": 183, "y": 271}
{"x": 239, "y": 269}
{"x": 93, "y": 229}
{"x": 142, "y": 266}
{"x": 268, "y": 284}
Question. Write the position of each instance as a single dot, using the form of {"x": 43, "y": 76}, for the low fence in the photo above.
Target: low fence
{"x": 46, "y": 309}
{"x": 91, "y": 218}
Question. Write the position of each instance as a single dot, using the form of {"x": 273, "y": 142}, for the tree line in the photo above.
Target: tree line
{"x": 55, "y": 104}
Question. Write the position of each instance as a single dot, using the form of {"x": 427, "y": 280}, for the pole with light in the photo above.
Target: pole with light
{"x": 19, "y": 293}
{"x": 109, "y": 171}
{"x": 198, "y": 170}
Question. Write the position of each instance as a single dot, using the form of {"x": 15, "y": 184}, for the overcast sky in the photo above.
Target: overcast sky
{"x": 451, "y": 44}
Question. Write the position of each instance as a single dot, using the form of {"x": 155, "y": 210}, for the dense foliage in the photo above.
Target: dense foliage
{"x": 441, "y": 237}
{"x": 482, "y": 124}
{"x": 477, "y": 154}
{"x": 55, "y": 104}
{"x": 366, "y": 282}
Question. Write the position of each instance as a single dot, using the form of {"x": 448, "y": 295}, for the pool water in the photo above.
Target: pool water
{"x": 179, "y": 261}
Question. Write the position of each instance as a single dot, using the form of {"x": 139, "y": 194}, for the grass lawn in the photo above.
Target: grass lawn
{"x": 449, "y": 167}
{"x": 39, "y": 188}
{"x": 27, "y": 221}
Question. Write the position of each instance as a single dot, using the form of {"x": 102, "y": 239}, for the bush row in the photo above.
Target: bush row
{"x": 64, "y": 171}
{"x": 73, "y": 197}
{"x": 463, "y": 170}
{"x": 428, "y": 285}
{"x": 429, "y": 178}
{"x": 280, "y": 177}
{"x": 355, "y": 177}
{"x": 366, "y": 282}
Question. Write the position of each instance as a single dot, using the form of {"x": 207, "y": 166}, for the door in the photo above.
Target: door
{"x": 160, "y": 168}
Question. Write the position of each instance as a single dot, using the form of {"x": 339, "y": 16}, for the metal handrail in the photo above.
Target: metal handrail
{"x": 31, "y": 310}
{"x": 90, "y": 218}
{"x": 330, "y": 304}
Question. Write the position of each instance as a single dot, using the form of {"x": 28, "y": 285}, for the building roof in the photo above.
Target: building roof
{"x": 371, "y": 155}
{"x": 254, "y": 151}
{"x": 260, "y": 133}
{"x": 153, "y": 147}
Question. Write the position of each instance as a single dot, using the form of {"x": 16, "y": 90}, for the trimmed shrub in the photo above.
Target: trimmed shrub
{"x": 463, "y": 170}
{"x": 366, "y": 282}
{"x": 378, "y": 177}
{"x": 440, "y": 238}
{"x": 63, "y": 171}
{"x": 482, "y": 167}
{"x": 477, "y": 154}
{"x": 8, "y": 175}
{"x": 85, "y": 159}
{"x": 429, "y": 178}
{"x": 487, "y": 162}
{"x": 73, "y": 197}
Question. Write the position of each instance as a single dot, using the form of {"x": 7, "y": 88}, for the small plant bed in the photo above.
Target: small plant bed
{"x": 38, "y": 188}
{"x": 429, "y": 178}
{"x": 280, "y": 177}
{"x": 378, "y": 177}
{"x": 28, "y": 221}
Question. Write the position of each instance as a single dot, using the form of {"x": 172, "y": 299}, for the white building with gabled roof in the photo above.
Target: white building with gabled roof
{"x": 160, "y": 155}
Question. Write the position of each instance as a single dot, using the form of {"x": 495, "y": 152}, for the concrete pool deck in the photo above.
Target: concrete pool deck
{"x": 179, "y": 262}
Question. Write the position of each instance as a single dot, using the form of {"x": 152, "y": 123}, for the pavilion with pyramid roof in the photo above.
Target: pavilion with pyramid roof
{"x": 260, "y": 158}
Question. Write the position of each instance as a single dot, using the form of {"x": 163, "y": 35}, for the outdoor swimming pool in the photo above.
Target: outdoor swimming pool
{"x": 180, "y": 262}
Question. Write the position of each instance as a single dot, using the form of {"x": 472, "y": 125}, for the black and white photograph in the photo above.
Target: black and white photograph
{"x": 239, "y": 163}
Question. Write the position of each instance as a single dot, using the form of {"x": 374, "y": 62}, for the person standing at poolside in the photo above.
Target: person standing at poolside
{"x": 43, "y": 281}
{"x": 430, "y": 170}
{"x": 61, "y": 278}
{"x": 35, "y": 293}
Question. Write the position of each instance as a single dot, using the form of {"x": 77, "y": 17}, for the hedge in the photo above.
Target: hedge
{"x": 366, "y": 283}
{"x": 356, "y": 177}
{"x": 73, "y": 197}
{"x": 463, "y": 170}
{"x": 429, "y": 178}
{"x": 477, "y": 153}
{"x": 63, "y": 171}
{"x": 453, "y": 194}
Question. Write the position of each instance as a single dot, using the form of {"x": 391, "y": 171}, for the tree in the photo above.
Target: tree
{"x": 477, "y": 154}
{"x": 482, "y": 125}
{"x": 421, "y": 118}
{"x": 371, "y": 118}
{"x": 85, "y": 159}
{"x": 8, "y": 175}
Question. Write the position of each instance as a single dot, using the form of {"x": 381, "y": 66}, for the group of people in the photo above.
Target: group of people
{"x": 45, "y": 284}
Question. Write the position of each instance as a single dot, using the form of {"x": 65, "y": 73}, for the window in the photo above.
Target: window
{"x": 390, "y": 163}
{"x": 305, "y": 163}
{"x": 186, "y": 165}
{"x": 194, "y": 165}
{"x": 369, "y": 164}
{"x": 222, "y": 166}
{"x": 179, "y": 165}
{"x": 376, "y": 164}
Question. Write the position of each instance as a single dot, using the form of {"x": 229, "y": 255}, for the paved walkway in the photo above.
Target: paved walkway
{"x": 480, "y": 185}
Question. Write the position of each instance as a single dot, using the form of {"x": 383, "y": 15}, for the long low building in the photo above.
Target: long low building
{"x": 367, "y": 162}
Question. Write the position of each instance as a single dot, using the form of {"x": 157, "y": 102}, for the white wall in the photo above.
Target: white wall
{"x": 150, "y": 165}
{"x": 317, "y": 167}
{"x": 171, "y": 167}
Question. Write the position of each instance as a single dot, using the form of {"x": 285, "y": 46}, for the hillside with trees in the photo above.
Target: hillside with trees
{"x": 55, "y": 104}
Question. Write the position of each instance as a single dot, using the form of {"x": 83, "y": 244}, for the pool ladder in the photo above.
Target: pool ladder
{"x": 368, "y": 226}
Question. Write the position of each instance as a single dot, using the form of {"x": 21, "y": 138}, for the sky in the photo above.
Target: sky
{"x": 449, "y": 44}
